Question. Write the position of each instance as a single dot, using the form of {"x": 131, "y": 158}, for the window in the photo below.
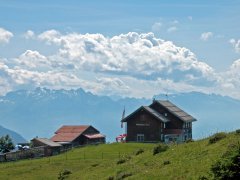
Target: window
{"x": 140, "y": 137}
{"x": 162, "y": 137}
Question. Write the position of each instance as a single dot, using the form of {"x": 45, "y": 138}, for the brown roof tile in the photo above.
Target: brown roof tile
{"x": 177, "y": 111}
{"x": 72, "y": 129}
{"x": 68, "y": 133}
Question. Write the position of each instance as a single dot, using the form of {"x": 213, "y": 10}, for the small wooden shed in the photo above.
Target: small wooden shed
{"x": 78, "y": 135}
{"x": 50, "y": 147}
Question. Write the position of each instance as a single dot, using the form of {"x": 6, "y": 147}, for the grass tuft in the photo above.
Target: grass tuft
{"x": 159, "y": 148}
{"x": 217, "y": 137}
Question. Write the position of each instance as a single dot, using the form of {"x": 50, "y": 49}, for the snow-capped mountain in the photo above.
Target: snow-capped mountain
{"x": 42, "y": 111}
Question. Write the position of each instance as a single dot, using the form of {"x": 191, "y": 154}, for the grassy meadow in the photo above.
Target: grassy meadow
{"x": 119, "y": 160}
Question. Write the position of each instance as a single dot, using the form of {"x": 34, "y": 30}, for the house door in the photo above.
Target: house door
{"x": 140, "y": 137}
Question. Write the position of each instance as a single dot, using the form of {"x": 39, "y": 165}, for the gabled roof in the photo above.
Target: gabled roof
{"x": 72, "y": 129}
{"x": 176, "y": 111}
{"x": 69, "y": 133}
{"x": 47, "y": 142}
{"x": 151, "y": 111}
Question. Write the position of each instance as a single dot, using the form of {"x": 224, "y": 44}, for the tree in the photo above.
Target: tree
{"x": 6, "y": 144}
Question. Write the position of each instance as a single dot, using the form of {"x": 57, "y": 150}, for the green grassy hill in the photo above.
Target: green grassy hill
{"x": 184, "y": 161}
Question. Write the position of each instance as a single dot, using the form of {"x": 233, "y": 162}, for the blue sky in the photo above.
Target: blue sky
{"x": 208, "y": 29}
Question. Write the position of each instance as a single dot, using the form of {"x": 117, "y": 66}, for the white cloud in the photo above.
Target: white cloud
{"x": 156, "y": 27}
{"x": 118, "y": 65}
{"x": 5, "y": 35}
{"x": 32, "y": 60}
{"x": 206, "y": 36}
{"x": 172, "y": 29}
{"x": 175, "y": 22}
{"x": 133, "y": 54}
{"x": 236, "y": 44}
{"x": 29, "y": 34}
{"x": 50, "y": 36}
{"x": 190, "y": 18}
{"x": 112, "y": 86}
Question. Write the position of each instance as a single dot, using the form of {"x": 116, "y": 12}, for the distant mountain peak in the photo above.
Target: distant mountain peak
{"x": 17, "y": 138}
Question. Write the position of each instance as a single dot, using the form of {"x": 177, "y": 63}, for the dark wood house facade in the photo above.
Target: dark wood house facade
{"x": 162, "y": 121}
{"x": 78, "y": 135}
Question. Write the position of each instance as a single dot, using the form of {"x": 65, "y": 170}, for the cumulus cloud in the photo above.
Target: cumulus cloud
{"x": 156, "y": 27}
{"x": 206, "y": 36}
{"x": 133, "y": 54}
{"x": 236, "y": 44}
{"x": 172, "y": 29}
{"x": 112, "y": 86}
{"x": 190, "y": 18}
{"x": 50, "y": 36}
{"x": 16, "y": 78}
{"x": 29, "y": 34}
{"x": 175, "y": 22}
{"x": 5, "y": 35}
{"x": 120, "y": 65}
{"x": 32, "y": 60}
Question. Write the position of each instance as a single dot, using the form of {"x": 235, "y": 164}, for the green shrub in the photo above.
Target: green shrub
{"x": 217, "y": 137}
{"x": 238, "y": 131}
{"x": 139, "y": 151}
{"x": 159, "y": 148}
{"x": 110, "y": 178}
{"x": 203, "y": 178}
{"x": 166, "y": 162}
{"x": 189, "y": 141}
{"x": 121, "y": 161}
{"x": 123, "y": 175}
{"x": 228, "y": 166}
{"x": 64, "y": 174}
{"x": 95, "y": 165}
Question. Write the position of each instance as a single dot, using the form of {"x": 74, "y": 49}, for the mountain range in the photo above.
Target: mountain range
{"x": 40, "y": 112}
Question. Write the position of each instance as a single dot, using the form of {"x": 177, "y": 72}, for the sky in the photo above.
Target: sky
{"x": 130, "y": 48}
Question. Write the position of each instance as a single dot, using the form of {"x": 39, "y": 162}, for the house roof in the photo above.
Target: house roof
{"x": 156, "y": 114}
{"x": 69, "y": 133}
{"x": 150, "y": 111}
{"x": 176, "y": 111}
{"x": 47, "y": 142}
{"x": 72, "y": 129}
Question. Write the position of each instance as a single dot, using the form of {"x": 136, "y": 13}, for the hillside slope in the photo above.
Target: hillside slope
{"x": 186, "y": 161}
{"x": 17, "y": 138}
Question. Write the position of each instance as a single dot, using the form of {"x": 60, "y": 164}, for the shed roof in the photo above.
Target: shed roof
{"x": 72, "y": 129}
{"x": 47, "y": 142}
{"x": 69, "y": 133}
{"x": 176, "y": 111}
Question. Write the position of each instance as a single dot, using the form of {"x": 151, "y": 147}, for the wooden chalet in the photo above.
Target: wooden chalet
{"x": 50, "y": 147}
{"x": 78, "y": 135}
{"x": 161, "y": 121}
